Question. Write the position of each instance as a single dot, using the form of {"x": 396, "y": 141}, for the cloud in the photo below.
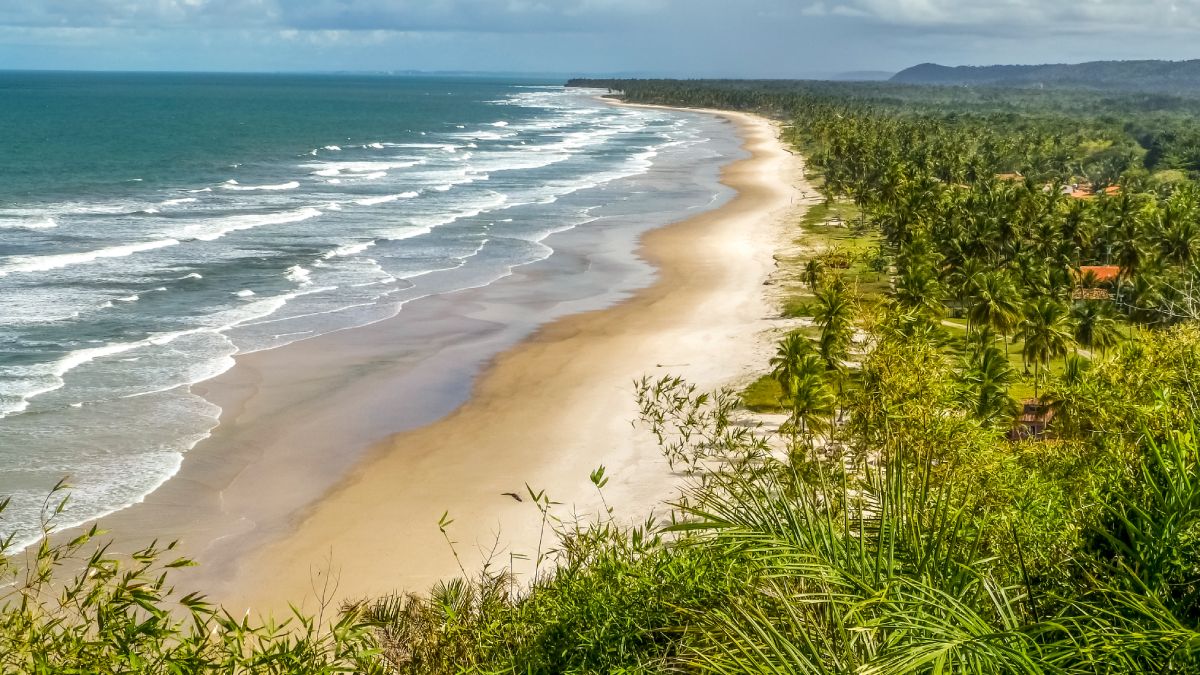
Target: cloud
{"x": 400, "y": 15}
{"x": 1035, "y": 16}
{"x": 463, "y": 15}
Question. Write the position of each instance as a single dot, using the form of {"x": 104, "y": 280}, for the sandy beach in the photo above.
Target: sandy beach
{"x": 549, "y": 411}
{"x": 335, "y": 457}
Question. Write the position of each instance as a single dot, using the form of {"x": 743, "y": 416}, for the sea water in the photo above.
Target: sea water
{"x": 154, "y": 226}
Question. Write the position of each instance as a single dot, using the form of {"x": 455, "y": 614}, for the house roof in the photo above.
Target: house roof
{"x": 1034, "y": 411}
{"x": 1102, "y": 272}
{"x": 1085, "y": 191}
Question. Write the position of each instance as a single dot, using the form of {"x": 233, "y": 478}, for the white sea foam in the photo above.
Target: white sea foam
{"x": 177, "y": 202}
{"x": 343, "y": 169}
{"x": 332, "y": 148}
{"x": 383, "y": 199}
{"x": 233, "y": 185}
{"x": 35, "y": 223}
{"x": 493, "y": 200}
{"x": 245, "y": 293}
{"x": 484, "y": 136}
{"x": 501, "y": 123}
{"x": 45, "y": 263}
{"x": 193, "y": 275}
{"x": 349, "y": 249}
{"x": 129, "y": 298}
{"x": 517, "y": 161}
{"x": 211, "y": 230}
{"x": 299, "y": 274}
{"x": 43, "y": 379}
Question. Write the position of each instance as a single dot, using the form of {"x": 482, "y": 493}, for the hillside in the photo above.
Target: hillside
{"x": 1149, "y": 76}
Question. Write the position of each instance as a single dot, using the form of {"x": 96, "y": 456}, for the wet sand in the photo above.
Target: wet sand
{"x": 549, "y": 411}
{"x": 336, "y": 456}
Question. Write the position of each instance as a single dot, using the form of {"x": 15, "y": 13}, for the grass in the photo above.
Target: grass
{"x": 825, "y": 227}
{"x": 1024, "y": 389}
{"x": 763, "y": 395}
{"x": 832, "y": 227}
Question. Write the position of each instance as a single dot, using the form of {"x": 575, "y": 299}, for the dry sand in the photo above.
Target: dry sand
{"x": 549, "y": 411}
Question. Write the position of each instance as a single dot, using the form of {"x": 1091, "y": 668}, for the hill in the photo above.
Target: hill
{"x": 1149, "y": 76}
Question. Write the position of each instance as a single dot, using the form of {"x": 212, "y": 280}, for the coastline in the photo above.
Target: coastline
{"x": 336, "y": 456}
{"x": 547, "y": 412}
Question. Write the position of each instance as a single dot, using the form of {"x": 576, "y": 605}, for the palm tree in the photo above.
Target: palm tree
{"x": 785, "y": 365}
{"x": 1079, "y": 229}
{"x": 1095, "y": 325}
{"x": 1178, "y": 229}
{"x": 1047, "y": 333}
{"x": 1144, "y": 299}
{"x": 963, "y": 280}
{"x": 814, "y": 272}
{"x": 833, "y": 313}
{"x": 800, "y": 372}
{"x": 984, "y": 383}
{"x": 995, "y": 304}
{"x": 917, "y": 288}
{"x": 1127, "y": 218}
{"x": 812, "y": 401}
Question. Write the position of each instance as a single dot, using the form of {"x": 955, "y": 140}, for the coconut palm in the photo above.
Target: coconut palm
{"x": 814, "y": 272}
{"x": 984, "y": 383}
{"x": 1095, "y": 325}
{"x": 812, "y": 400}
{"x": 1047, "y": 332}
{"x": 1079, "y": 229}
{"x": 833, "y": 313}
{"x": 785, "y": 365}
{"x": 963, "y": 279}
{"x": 995, "y": 304}
{"x": 917, "y": 288}
{"x": 1178, "y": 229}
{"x": 1143, "y": 298}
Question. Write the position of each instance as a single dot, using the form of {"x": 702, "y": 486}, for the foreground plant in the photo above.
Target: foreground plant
{"x": 117, "y": 613}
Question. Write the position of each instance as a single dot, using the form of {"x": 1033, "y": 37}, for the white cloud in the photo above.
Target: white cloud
{"x": 1040, "y": 16}
{"x": 433, "y": 15}
{"x": 138, "y": 13}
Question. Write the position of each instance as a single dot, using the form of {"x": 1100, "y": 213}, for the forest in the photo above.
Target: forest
{"x": 1179, "y": 77}
{"x": 988, "y": 460}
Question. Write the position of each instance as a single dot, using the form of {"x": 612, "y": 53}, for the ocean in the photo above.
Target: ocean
{"x": 154, "y": 226}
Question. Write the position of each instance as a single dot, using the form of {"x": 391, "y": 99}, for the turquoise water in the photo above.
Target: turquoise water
{"x": 153, "y": 226}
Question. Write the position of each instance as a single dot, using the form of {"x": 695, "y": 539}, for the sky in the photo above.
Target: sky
{"x": 680, "y": 38}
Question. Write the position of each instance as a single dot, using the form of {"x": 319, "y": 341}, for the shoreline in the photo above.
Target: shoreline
{"x": 546, "y": 412}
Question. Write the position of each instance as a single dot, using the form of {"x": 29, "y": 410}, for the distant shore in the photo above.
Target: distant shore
{"x": 549, "y": 411}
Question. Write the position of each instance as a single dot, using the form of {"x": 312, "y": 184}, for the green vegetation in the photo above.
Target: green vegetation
{"x": 890, "y": 525}
{"x": 1163, "y": 76}
{"x": 117, "y": 613}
